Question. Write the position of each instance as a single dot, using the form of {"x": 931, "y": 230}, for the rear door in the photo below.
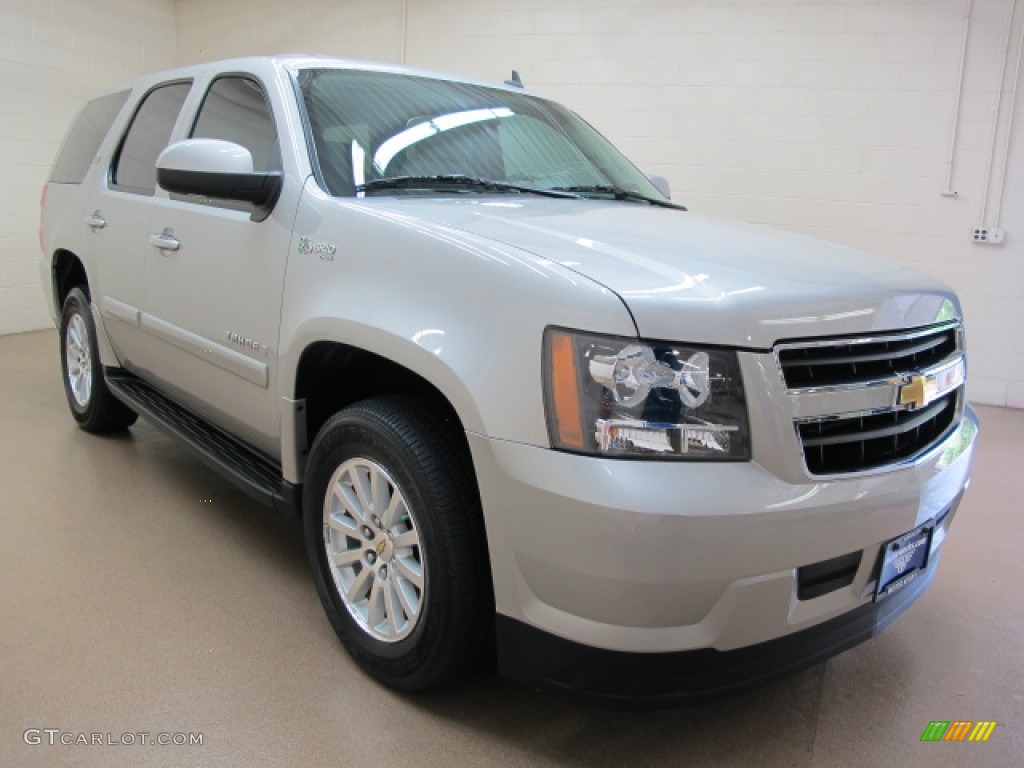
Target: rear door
{"x": 118, "y": 214}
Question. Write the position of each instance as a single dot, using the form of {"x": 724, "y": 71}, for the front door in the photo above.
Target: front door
{"x": 214, "y": 280}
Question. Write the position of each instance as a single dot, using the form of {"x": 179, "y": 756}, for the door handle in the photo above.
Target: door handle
{"x": 95, "y": 221}
{"x": 165, "y": 241}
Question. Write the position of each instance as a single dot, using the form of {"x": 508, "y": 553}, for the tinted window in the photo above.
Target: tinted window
{"x": 235, "y": 109}
{"x": 84, "y": 139}
{"x": 150, "y": 131}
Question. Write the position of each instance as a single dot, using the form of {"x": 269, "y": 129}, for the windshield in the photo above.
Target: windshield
{"x": 368, "y": 126}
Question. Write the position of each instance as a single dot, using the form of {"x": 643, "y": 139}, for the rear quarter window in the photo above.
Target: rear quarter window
{"x": 85, "y": 136}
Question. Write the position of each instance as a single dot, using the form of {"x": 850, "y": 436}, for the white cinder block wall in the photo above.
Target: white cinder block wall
{"x": 54, "y": 54}
{"x": 831, "y": 117}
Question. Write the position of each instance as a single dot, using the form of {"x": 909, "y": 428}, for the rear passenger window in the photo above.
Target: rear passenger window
{"x": 235, "y": 109}
{"x": 84, "y": 139}
{"x": 150, "y": 131}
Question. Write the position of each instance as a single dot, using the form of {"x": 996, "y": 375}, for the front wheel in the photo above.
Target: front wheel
{"x": 92, "y": 405}
{"x": 395, "y": 540}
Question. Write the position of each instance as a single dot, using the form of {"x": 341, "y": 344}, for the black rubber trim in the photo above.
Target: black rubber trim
{"x": 827, "y": 576}
{"x": 259, "y": 189}
{"x": 245, "y": 467}
{"x": 618, "y": 678}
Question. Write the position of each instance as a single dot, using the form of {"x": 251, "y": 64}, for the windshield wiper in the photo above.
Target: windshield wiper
{"x": 619, "y": 194}
{"x": 456, "y": 180}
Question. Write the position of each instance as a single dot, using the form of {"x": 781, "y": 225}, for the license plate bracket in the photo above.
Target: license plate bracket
{"x": 904, "y": 559}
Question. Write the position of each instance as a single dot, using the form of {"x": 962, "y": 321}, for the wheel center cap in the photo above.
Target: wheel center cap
{"x": 384, "y": 550}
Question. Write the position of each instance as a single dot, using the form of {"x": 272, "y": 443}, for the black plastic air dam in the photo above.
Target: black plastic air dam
{"x": 621, "y": 679}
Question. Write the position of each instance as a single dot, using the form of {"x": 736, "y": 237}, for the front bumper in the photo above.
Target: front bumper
{"x": 652, "y": 559}
{"x": 617, "y": 678}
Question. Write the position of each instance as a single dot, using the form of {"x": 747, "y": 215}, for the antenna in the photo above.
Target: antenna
{"x": 515, "y": 82}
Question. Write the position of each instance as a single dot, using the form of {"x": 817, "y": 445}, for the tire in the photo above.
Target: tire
{"x": 92, "y": 405}
{"x": 407, "y": 584}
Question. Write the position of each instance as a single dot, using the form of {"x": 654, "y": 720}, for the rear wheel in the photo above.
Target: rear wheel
{"x": 92, "y": 405}
{"x": 395, "y": 540}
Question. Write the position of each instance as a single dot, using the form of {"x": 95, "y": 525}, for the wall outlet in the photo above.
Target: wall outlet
{"x": 992, "y": 235}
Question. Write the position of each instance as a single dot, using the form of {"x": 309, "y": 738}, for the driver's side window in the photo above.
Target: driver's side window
{"x": 235, "y": 109}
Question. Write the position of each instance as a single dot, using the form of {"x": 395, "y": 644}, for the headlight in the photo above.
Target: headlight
{"x": 621, "y": 397}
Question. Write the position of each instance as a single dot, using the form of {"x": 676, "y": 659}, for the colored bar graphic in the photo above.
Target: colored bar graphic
{"x": 982, "y": 731}
{"x": 958, "y": 730}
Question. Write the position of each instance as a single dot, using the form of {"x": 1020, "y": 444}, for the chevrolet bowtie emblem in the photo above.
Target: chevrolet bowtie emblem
{"x": 915, "y": 392}
{"x": 922, "y": 389}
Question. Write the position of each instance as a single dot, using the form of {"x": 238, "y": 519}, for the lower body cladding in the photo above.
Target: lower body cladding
{"x": 674, "y": 581}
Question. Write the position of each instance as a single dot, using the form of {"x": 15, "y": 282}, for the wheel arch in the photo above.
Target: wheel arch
{"x": 67, "y": 271}
{"x": 332, "y": 374}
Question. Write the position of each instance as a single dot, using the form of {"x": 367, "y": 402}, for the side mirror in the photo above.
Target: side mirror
{"x": 661, "y": 184}
{"x": 217, "y": 169}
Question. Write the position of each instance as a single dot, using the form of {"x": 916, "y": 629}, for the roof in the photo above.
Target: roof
{"x": 294, "y": 62}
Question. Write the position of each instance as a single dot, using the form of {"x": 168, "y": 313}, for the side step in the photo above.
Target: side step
{"x": 247, "y": 468}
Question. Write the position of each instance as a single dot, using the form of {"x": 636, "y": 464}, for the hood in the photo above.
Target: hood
{"x": 692, "y": 278}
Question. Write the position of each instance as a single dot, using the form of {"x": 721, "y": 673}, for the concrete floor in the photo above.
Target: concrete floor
{"x": 140, "y": 593}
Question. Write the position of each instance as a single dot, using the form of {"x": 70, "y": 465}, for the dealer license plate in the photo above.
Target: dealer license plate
{"x": 904, "y": 559}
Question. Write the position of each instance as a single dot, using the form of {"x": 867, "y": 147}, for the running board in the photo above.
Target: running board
{"x": 245, "y": 467}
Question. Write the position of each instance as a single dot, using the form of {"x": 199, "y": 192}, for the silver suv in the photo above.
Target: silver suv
{"x": 520, "y": 401}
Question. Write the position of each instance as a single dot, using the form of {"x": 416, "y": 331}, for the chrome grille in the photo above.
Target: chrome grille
{"x": 865, "y": 442}
{"x": 851, "y": 361}
{"x": 845, "y": 438}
